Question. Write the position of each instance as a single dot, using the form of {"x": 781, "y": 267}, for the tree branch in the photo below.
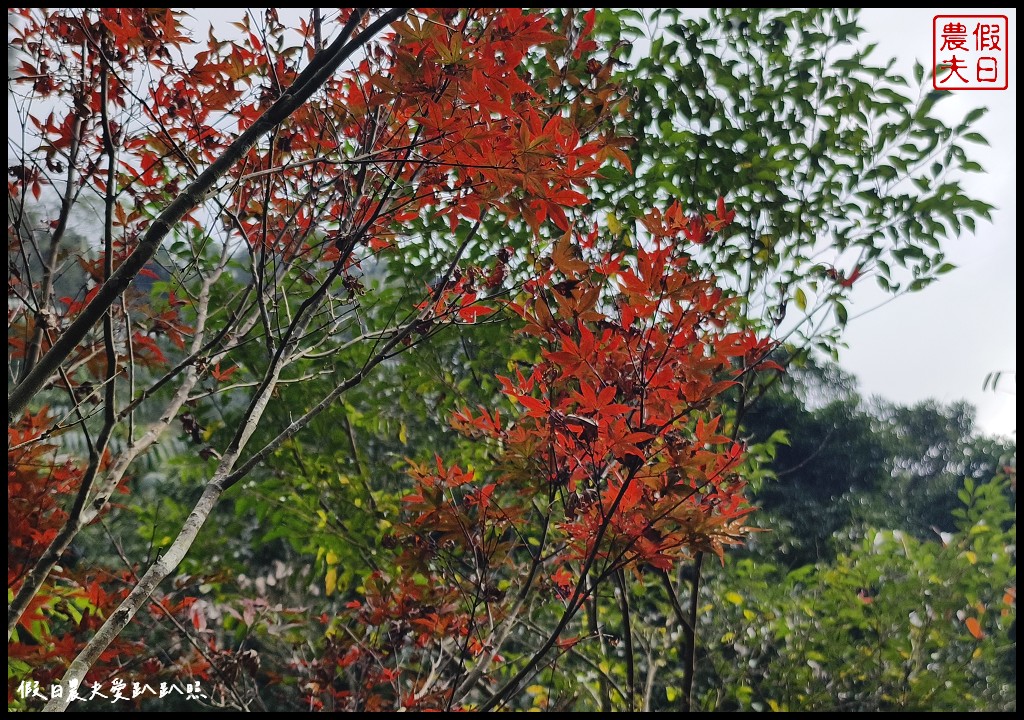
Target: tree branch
{"x": 324, "y": 64}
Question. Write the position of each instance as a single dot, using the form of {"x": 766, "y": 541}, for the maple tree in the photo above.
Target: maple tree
{"x": 433, "y": 120}
{"x": 614, "y": 465}
{"x": 284, "y": 212}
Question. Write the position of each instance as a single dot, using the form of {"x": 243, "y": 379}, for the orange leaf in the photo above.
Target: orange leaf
{"x": 221, "y": 376}
{"x": 974, "y": 628}
{"x": 564, "y": 257}
{"x": 568, "y": 642}
{"x": 470, "y": 313}
{"x": 848, "y": 282}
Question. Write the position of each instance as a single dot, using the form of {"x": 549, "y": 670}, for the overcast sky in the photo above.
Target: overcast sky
{"x": 942, "y": 341}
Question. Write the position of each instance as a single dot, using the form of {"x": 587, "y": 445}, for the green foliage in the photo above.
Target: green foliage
{"x": 887, "y": 626}
{"x": 836, "y": 164}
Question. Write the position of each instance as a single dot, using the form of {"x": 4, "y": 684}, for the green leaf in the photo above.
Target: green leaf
{"x": 841, "y": 315}
{"x": 974, "y": 115}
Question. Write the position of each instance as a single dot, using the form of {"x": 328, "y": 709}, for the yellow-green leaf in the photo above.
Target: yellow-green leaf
{"x": 331, "y": 581}
{"x": 801, "y": 299}
{"x": 734, "y": 597}
{"x": 614, "y": 226}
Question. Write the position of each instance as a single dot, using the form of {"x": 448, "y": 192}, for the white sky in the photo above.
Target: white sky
{"x": 942, "y": 342}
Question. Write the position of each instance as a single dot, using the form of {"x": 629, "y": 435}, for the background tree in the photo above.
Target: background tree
{"x": 841, "y": 462}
